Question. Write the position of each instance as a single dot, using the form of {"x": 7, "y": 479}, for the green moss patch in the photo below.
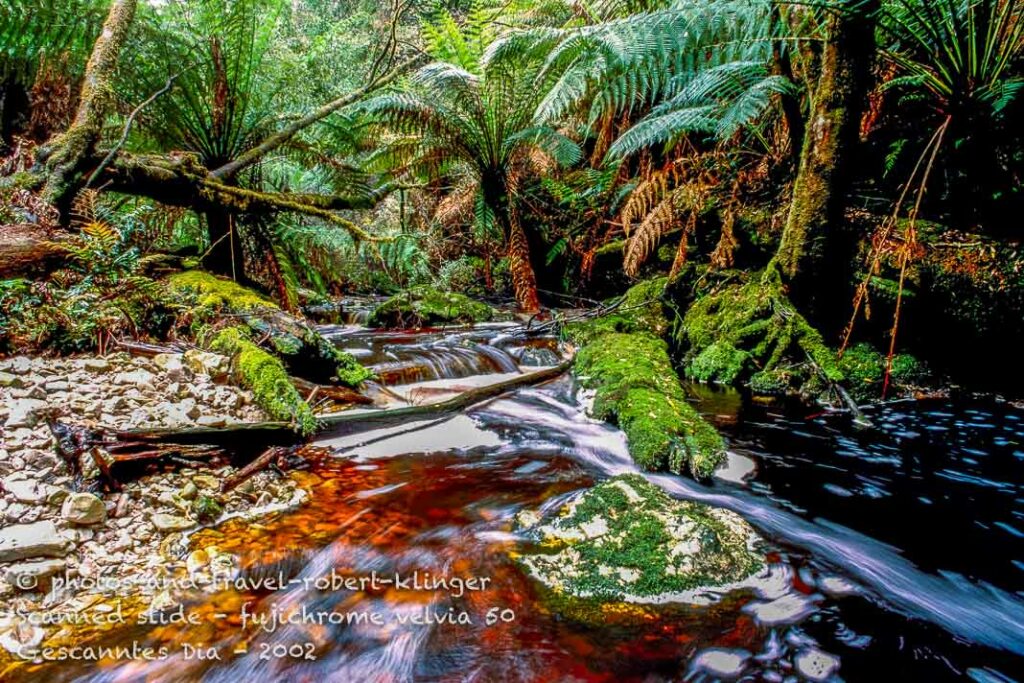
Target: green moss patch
{"x": 216, "y": 292}
{"x": 627, "y": 540}
{"x": 741, "y": 330}
{"x": 622, "y": 357}
{"x": 264, "y": 375}
{"x": 428, "y": 307}
{"x": 865, "y": 368}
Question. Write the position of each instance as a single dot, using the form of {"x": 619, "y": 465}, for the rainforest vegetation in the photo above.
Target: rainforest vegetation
{"x": 819, "y": 191}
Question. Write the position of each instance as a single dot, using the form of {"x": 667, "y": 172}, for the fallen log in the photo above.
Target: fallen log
{"x": 332, "y": 392}
{"x": 273, "y": 440}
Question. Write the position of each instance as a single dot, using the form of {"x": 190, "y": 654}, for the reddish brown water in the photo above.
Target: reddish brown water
{"x": 440, "y": 499}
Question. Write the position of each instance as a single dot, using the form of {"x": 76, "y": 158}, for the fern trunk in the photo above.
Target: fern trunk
{"x": 524, "y": 281}
{"x": 829, "y": 140}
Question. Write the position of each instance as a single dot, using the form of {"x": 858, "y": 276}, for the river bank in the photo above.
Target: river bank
{"x": 95, "y": 543}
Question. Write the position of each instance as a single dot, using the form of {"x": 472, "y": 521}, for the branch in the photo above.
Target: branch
{"x": 127, "y": 129}
{"x": 271, "y": 143}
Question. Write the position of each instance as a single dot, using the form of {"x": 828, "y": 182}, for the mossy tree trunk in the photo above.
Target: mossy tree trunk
{"x": 67, "y": 157}
{"x": 830, "y": 138}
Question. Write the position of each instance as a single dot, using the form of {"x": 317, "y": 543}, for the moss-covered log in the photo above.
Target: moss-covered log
{"x": 303, "y": 351}
{"x": 625, "y": 359}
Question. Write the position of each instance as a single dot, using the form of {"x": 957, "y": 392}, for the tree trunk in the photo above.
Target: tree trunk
{"x": 524, "y": 281}
{"x": 823, "y": 176}
{"x": 66, "y": 157}
{"x": 225, "y": 256}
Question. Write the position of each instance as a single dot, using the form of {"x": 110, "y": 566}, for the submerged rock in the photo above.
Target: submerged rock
{"x": 626, "y": 540}
{"x": 428, "y": 307}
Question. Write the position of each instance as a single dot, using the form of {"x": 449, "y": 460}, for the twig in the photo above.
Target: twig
{"x": 127, "y": 129}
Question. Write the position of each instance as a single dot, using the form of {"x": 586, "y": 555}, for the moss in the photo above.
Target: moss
{"x": 267, "y": 378}
{"x": 303, "y": 349}
{"x": 865, "y": 367}
{"x": 428, "y": 307}
{"x": 627, "y": 540}
{"x": 206, "y": 509}
{"x": 721, "y": 362}
{"x": 771, "y": 382}
{"x": 214, "y": 292}
{"x": 740, "y": 329}
{"x": 637, "y": 388}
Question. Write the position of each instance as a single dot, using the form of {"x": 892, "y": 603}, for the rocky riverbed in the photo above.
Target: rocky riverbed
{"x": 50, "y": 531}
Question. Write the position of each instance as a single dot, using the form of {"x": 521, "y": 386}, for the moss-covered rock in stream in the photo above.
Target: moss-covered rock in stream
{"x": 626, "y": 540}
{"x": 864, "y": 367}
{"x": 429, "y": 307}
{"x": 624, "y": 359}
{"x": 304, "y": 352}
{"x": 747, "y": 331}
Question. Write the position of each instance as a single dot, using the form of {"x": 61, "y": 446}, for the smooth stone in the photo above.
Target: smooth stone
{"x": 57, "y": 385}
{"x": 721, "y": 663}
{"x": 815, "y": 665}
{"x": 24, "y": 541}
{"x": 22, "y": 412}
{"x": 9, "y": 381}
{"x": 211, "y": 421}
{"x": 97, "y": 364}
{"x": 188, "y": 491}
{"x": 206, "y": 363}
{"x": 166, "y": 523}
{"x": 135, "y": 378}
{"x": 84, "y": 509}
{"x": 24, "y": 490}
{"x": 27, "y": 575}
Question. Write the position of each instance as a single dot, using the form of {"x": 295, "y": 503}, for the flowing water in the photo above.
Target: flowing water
{"x": 896, "y": 550}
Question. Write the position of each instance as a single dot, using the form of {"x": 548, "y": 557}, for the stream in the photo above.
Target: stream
{"x": 897, "y": 550}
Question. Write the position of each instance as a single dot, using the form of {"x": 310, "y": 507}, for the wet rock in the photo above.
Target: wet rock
{"x": 538, "y": 357}
{"x": 206, "y": 363}
{"x": 626, "y": 540}
{"x": 24, "y": 541}
{"x": 9, "y": 381}
{"x": 83, "y": 509}
{"x": 815, "y": 665}
{"x": 22, "y": 412}
{"x": 721, "y": 663}
{"x": 33, "y": 574}
{"x": 167, "y": 523}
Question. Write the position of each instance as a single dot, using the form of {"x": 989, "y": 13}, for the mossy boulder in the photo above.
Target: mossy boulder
{"x": 428, "y": 307}
{"x": 625, "y": 360}
{"x": 865, "y": 366}
{"x": 626, "y": 540}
